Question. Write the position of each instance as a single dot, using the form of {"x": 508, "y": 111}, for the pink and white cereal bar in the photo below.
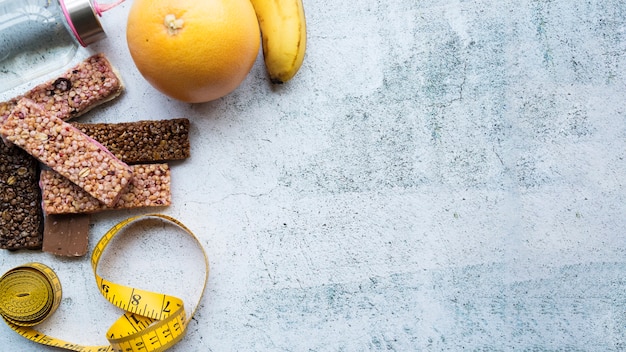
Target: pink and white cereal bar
{"x": 88, "y": 84}
{"x": 149, "y": 187}
{"x": 67, "y": 151}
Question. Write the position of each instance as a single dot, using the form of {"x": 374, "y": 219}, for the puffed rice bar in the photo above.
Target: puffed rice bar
{"x": 90, "y": 83}
{"x": 149, "y": 187}
{"x": 66, "y": 150}
{"x": 142, "y": 141}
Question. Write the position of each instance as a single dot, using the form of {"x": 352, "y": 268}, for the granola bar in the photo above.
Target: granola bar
{"x": 90, "y": 83}
{"x": 21, "y": 219}
{"x": 149, "y": 187}
{"x": 142, "y": 141}
{"x": 66, "y": 150}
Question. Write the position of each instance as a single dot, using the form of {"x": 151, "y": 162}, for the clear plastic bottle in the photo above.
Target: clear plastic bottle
{"x": 40, "y": 36}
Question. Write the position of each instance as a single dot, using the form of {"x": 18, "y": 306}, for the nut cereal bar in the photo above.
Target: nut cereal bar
{"x": 90, "y": 83}
{"x": 142, "y": 141}
{"x": 67, "y": 151}
{"x": 149, "y": 187}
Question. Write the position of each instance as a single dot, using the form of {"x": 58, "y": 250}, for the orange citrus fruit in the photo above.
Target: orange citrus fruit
{"x": 193, "y": 50}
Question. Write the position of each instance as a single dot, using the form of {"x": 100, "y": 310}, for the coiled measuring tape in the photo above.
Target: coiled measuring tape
{"x": 152, "y": 322}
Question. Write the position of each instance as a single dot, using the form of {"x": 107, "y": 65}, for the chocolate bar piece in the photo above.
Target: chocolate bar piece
{"x": 142, "y": 141}
{"x": 67, "y": 151}
{"x": 66, "y": 235}
{"x": 92, "y": 82}
{"x": 21, "y": 219}
{"x": 149, "y": 187}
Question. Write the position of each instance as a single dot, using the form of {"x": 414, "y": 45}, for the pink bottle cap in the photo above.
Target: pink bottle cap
{"x": 82, "y": 19}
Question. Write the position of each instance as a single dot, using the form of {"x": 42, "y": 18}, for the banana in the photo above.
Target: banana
{"x": 283, "y": 30}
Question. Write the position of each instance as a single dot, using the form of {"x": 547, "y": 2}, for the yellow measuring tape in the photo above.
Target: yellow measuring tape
{"x": 152, "y": 322}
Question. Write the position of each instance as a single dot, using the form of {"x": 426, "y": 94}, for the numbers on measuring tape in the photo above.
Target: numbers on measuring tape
{"x": 154, "y": 340}
{"x": 135, "y": 299}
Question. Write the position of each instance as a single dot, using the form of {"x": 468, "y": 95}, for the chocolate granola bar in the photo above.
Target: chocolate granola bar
{"x": 142, "y": 141}
{"x": 21, "y": 218}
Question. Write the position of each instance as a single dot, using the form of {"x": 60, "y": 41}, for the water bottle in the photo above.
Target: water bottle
{"x": 40, "y": 36}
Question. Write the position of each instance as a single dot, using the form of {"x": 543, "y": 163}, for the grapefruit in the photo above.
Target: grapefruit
{"x": 193, "y": 50}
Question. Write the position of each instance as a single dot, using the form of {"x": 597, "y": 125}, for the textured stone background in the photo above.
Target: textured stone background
{"x": 440, "y": 176}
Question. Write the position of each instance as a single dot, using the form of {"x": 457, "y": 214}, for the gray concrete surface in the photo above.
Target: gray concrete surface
{"x": 440, "y": 176}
